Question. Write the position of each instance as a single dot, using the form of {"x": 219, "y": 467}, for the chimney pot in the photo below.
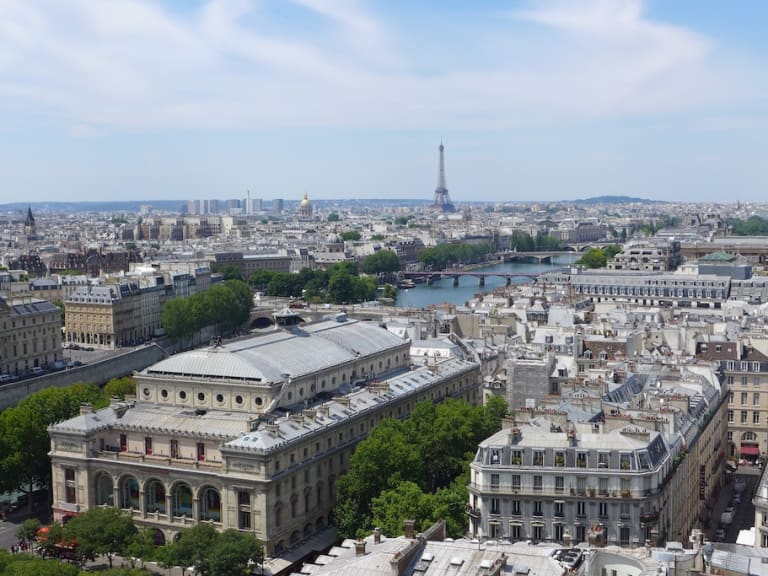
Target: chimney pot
{"x": 360, "y": 548}
{"x": 377, "y": 535}
{"x": 409, "y": 525}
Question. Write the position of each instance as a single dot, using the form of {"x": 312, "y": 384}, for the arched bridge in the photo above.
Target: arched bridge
{"x": 431, "y": 276}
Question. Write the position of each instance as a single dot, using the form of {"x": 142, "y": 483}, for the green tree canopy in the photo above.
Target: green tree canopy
{"x": 350, "y": 235}
{"x": 120, "y": 387}
{"x": 429, "y": 450}
{"x": 334, "y": 217}
{"x": 215, "y": 554}
{"x": 230, "y": 271}
{"x": 106, "y": 531}
{"x": 24, "y": 440}
{"x": 381, "y": 261}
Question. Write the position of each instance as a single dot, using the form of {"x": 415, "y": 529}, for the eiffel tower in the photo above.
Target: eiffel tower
{"x": 442, "y": 199}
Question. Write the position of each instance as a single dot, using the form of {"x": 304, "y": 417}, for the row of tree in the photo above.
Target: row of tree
{"x": 24, "y": 440}
{"x": 109, "y": 532}
{"x": 415, "y": 468}
{"x": 752, "y": 226}
{"x": 227, "y": 306}
{"x": 338, "y": 284}
{"x": 446, "y": 255}
{"x": 524, "y": 242}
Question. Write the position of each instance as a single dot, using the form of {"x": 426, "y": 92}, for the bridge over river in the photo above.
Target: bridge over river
{"x": 481, "y": 275}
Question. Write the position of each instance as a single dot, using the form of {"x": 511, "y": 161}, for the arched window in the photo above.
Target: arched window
{"x": 155, "y": 493}
{"x": 182, "y": 500}
{"x": 210, "y": 505}
{"x": 129, "y": 493}
{"x": 104, "y": 492}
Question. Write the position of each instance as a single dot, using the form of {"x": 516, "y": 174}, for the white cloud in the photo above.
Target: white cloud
{"x": 134, "y": 65}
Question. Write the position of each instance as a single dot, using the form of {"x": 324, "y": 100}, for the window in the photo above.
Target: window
{"x": 755, "y": 417}
{"x": 244, "y": 520}
{"x": 560, "y": 459}
{"x": 515, "y": 482}
{"x": 517, "y": 457}
{"x": 730, "y": 397}
{"x": 603, "y": 509}
{"x": 516, "y": 531}
{"x": 201, "y": 452}
{"x": 743, "y": 416}
{"x": 756, "y": 399}
{"x": 495, "y": 456}
{"x": 625, "y": 461}
{"x": 537, "y": 484}
{"x": 538, "y": 533}
{"x": 516, "y": 507}
{"x": 123, "y": 443}
{"x": 243, "y": 498}
{"x": 602, "y": 486}
{"x": 538, "y": 458}
{"x": 581, "y": 459}
{"x": 559, "y": 509}
{"x": 70, "y": 489}
{"x": 494, "y": 480}
{"x": 174, "y": 448}
{"x": 581, "y": 508}
{"x": 148, "y": 445}
{"x": 559, "y": 484}
{"x": 538, "y": 508}
{"x": 495, "y": 509}
{"x": 603, "y": 459}
{"x": 756, "y": 381}
{"x": 730, "y": 416}
{"x": 624, "y": 510}
{"x": 743, "y": 398}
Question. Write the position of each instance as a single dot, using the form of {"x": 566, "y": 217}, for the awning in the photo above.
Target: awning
{"x": 749, "y": 450}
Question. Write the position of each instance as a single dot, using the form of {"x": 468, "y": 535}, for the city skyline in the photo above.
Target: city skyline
{"x": 344, "y": 99}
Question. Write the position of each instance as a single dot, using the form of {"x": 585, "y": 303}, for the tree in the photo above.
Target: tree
{"x": 142, "y": 546}
{"x": 24, "y": 440}
{"x": 28, "y": 530}
{"x": 389, "y": 291}
{"x": 230, "y": 272}
{"x": 233, "y": 553}
{"x": 261, "y": 278}
{"x": 350, "y": 235}
{"x": 193, "y": 547}
{"x": 418, "y": 468}
{"x": 120, "y": 387}
{"x": 334, "y": 217}
{"x": 341, "y": 288}
{"x": 593, "y": 258}
{"x": 177, "y": 319}
{"x": 381, "y": 261}
{"x": 105, "y": 531}
{"x": 29, "y": 565}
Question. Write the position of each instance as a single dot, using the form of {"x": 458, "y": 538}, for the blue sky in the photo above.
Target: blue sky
{"x": 535, "y": 100}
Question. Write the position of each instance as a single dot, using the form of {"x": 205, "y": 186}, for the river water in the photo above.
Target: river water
{"x": 444, "y": 291}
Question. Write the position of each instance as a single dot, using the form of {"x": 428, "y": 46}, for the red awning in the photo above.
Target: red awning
{"x": 749, "y": 450}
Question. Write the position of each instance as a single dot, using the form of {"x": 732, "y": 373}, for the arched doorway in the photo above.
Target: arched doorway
{"x": 210, "y": 504}
{"x": 155, "y": 493}
{"x": 129, "y": 493}
{"x": 181, "y": 498}
{"x": 104, "y": 490}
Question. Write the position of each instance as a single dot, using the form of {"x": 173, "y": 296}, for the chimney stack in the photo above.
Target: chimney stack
{"x": 409, "y": 524}
{"x": 377, "y": 535}
{"x": 360, "y": 548}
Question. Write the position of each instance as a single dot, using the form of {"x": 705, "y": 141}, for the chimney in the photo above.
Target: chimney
{"x": 86, "y": 408}
{"x": 377, "y": 535}
{"x": 409, "y": 524}
{"x": 360, "y": 548}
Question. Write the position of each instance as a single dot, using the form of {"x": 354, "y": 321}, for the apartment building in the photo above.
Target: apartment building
{"x": 30, "y": 335}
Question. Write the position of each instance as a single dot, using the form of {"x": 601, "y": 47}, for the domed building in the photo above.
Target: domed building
{"x": 305, "y": 208}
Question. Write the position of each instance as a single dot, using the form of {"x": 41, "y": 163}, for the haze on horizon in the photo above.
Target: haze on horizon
{"x": 534, "y": 100}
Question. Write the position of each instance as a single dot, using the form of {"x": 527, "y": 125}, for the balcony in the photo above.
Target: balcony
{"x": 473, "y": 512}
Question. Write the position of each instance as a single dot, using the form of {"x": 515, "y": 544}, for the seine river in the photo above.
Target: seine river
{"x": 444, "y": 291}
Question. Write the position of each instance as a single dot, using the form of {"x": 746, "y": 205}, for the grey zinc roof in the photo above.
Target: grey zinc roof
{"x": 159, "y": 418}
{"x": 266, "y": 358}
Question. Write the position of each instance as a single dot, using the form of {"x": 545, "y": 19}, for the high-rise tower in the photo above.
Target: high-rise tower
{"x": 442, "y": 199}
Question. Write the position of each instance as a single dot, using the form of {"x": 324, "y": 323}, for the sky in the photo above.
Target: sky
{"x": 534, "y": 100}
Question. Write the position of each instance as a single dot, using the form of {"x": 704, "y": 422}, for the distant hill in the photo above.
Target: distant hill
{"x": 615, "y": 200}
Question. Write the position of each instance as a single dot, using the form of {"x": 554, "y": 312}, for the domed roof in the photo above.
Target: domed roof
{"x": 305, "y": 201}
{"x": 333, "y": 238}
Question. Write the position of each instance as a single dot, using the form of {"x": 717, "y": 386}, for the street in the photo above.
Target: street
{"x": 744, "y": 512}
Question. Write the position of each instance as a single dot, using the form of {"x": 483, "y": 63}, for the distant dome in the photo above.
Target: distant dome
{"x": 333, "y": 238}
{"x": 305, "y": 201}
